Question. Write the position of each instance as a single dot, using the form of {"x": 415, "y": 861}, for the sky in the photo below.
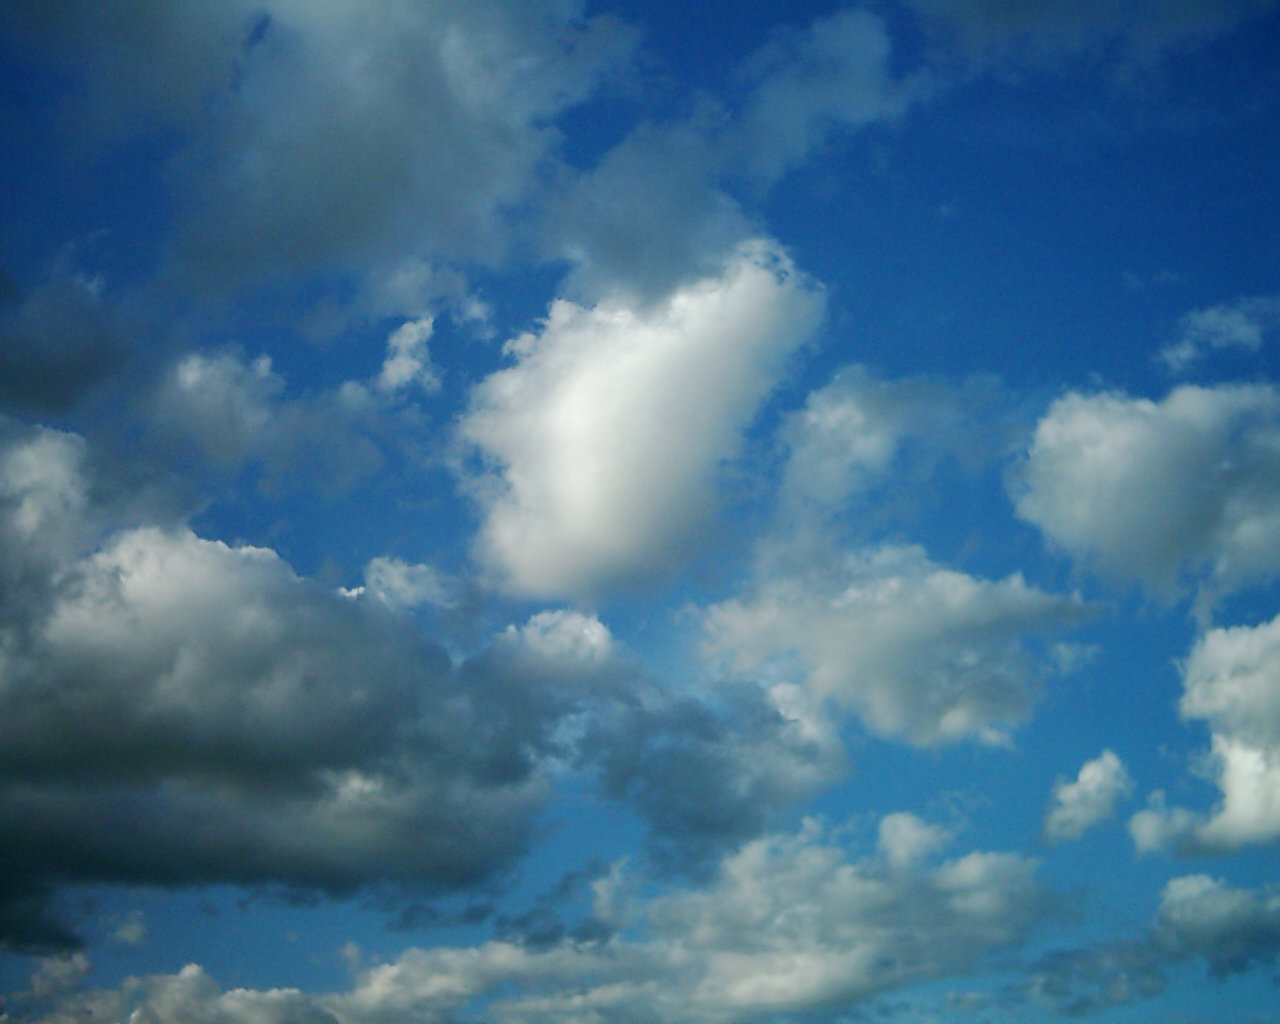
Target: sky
{"x": 529, "y": 511}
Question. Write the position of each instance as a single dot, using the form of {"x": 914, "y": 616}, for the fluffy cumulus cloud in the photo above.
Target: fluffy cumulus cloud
{"x": 1231, "y": 681}
{"x": 791, "y": 923}
{"x": 1152, "y": 491}
{"x": 915, "y": 649}
{"x": 1238, "y": 325}
{"x": 1078, "y": 805}
{"x": 603, "y": 441}
{"x": 179, "y": 710}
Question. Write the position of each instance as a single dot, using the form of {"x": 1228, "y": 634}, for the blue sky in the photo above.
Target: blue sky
{"x": 529, "y": 512}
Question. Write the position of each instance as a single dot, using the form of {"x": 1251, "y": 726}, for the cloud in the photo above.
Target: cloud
{"x": 311, "y": 137}
{"x": 834, "y": 75}
{"x": 603, "y": 441}
{"x": 1050, "y": 33}
{"x": 408, "y": 361}
{"x": 791, "y": 923}
{"x": 914, "y": 649}
{"x": 1078, "y": 806}
{"x": 231, "y": 411}
{"x": 858, "y": 431}
{"x": 405, "y": 585}
{"x": 1199, "y": 918}
{"x": 177, "y": 710}
{"x": 1231, "y": 928}
{"x": 711, "y": 772}
{"x": 1155, "y": 492}
{"x": 1231, "y": 680}
{"x": 57, "y": 341}
{"x": 1240, "y": 325}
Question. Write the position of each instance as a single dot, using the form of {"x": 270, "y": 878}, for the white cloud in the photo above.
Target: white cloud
{"x": 1240, "y": 325}
{"x": 791, "y": 923}
{"x": 1091, "y": 798}
{"x": 605, "y": 438}
{"x": 1231, "y": 680}
{"x": 906, "y": 840}
{"x": 408, "y": 360}
{"x": 565, "y": 636}
{"x": 1150, "y": 491}
{"x": 916, "y": 650}
{"x": 406, "y": 585}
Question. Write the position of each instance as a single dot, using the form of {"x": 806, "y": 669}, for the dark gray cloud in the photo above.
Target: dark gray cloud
{"x": 175, "y": 710}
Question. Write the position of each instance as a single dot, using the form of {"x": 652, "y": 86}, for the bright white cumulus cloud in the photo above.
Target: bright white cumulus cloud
{"x": 1078, "y": 805}
{"x": 915, "y": 649}
{"x": 602, "y": 442}
{"x": 1231, "y": 681}
{"x": 1151, "y": 491}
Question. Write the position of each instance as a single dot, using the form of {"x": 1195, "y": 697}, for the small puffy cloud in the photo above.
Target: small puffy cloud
{"x": 1153, "y": 491}
{"x": 1077, "y": 806}
{"x": 790, "y": 923}
{"x": 905, "y": 840}
{"x": 1240, "y": 325}
{"x": 408, "y": 361}
{"x": 131, "y": 930}
{"x": 564, "y": 636}
{"x": 916, "y": 650}
{"x": 405, "y": 584}
{"x": 602, "y": 443}
{"x": 1231, "y": 681}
